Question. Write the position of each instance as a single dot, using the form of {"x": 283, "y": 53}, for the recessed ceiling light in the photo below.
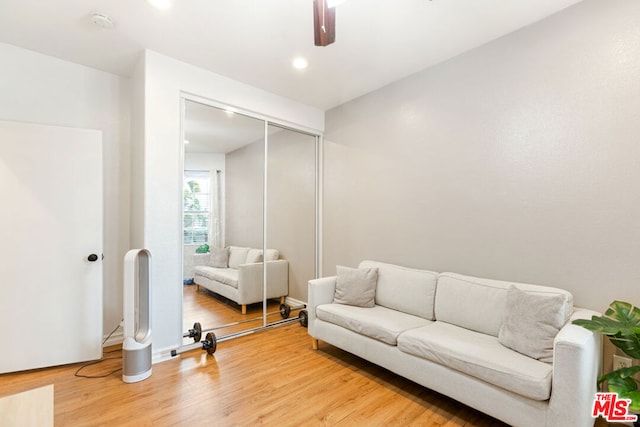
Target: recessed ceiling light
{"x": 300, "y": 63}
{"x": 160, "y": 4}
{"x": 102, "y": 21}
{"x": 186, "y": 142}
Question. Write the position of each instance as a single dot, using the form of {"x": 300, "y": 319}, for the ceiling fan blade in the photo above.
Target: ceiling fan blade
{"x": 324, "y": 23}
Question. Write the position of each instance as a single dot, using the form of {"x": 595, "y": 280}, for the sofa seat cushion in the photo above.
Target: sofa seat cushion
{"x": 376, "y": 322}
{"x": 228, "y": 276}
{"x": 481, "y": 356}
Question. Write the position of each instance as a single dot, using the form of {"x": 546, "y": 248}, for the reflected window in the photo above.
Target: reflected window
{"x": 197, "y": 206}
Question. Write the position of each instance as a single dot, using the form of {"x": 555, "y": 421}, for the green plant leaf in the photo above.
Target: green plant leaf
{"x": 202, "y": 249}
{"x": 621, "y": 380}
{"x": 621, "y": 323}
{"x": 635, "y": 399}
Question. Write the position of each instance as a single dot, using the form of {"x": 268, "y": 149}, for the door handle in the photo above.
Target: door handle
{"x": 93, "y": 257}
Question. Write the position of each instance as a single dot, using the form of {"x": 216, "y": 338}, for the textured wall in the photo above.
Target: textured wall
{"x": 518, "y": 160}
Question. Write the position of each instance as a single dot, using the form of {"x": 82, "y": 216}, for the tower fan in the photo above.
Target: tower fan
{"x": 136, "y": 349}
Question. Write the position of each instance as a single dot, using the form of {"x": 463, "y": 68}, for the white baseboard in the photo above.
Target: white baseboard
{"x": 162, "y": 355}
{"x": 115, "y": 339}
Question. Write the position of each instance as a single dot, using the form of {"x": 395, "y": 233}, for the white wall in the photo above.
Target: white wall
{"x": 41, "y": 89}
{"x": 518, "y": 160}
{"x": 164, "y": 80}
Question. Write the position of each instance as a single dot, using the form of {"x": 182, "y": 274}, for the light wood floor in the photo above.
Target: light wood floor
{"x": 267, "y": 378}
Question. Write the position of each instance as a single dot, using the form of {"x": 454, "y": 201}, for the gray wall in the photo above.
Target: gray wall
{"x": 519, "y": 160}
{"x": 244, "y": 189}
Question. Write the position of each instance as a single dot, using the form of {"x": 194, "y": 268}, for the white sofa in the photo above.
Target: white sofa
{"x": 442, "y": 331}
{"x": 241, "y": 280}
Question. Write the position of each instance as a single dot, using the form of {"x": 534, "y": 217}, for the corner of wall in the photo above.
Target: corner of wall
{"x": 138, "y": 90}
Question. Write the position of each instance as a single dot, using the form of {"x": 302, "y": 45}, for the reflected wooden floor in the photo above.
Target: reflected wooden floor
{"x": 212, "y": 310}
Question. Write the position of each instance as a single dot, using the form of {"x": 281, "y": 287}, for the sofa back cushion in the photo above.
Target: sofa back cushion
{"x": 480, "y": 304}
{"x": 272, "y": 255}
{"x": 237, "y": 256}
{"x": 219, "y": 257}
{"x": 253, "y": 256}
{"x": 241, "y": 255}
{"x": 404, "y": 289}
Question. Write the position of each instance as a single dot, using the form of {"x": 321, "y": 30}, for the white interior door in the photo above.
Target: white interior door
{"x": 50, "y": 224}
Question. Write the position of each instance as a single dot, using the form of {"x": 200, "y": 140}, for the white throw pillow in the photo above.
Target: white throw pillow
{"x": 532, "y": 321}
{"x": 356, "y": 286}
{"x": 219, "y": 257}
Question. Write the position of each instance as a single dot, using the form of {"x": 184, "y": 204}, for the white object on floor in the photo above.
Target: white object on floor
{"x": 31, "y": 408}
{"x": 136, "y": 349}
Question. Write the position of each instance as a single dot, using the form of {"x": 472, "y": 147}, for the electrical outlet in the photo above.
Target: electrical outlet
{"x": 620, "y": 362}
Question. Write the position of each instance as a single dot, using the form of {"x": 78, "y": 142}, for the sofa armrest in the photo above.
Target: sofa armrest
{"x": 277, "y": 278}
{"x": 250, "y": 287}
{"x": 320, "y": 292}
{"x": 201, "y": 259}
{"x": 577, "y": 363}
{"x": 250, "y": 279}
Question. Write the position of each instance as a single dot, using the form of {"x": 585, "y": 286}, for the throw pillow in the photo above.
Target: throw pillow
{"x": 532, "y": 321}
{"x": 219, "y": 257}
{"x": 356, "y": 286}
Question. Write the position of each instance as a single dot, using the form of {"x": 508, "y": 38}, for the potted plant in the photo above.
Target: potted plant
{"x": 621, "y": 323}
{"x": 202, "y": 249}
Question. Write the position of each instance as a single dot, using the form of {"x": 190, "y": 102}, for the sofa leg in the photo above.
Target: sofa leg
{"x": 197, "y": 288}
{"x": 244, "y": 309}
{"x": 314, "y": 343}
{"x": 282, "y": 299}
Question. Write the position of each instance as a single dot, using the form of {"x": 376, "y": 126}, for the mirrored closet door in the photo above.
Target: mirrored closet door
{"x": 223, "y": 194}
{"x": 249, "y": 220}
{"x": 291, "y": 213}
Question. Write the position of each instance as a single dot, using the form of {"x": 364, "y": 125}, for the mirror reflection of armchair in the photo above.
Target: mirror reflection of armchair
{"x": 241, "y": 279}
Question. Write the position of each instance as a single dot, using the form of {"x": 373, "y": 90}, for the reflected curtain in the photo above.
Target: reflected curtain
{"x": 217, "y": 232}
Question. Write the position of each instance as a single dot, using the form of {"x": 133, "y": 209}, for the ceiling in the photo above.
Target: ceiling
{"x": 255, "y": 41}
{"x": 212, "y": 130}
